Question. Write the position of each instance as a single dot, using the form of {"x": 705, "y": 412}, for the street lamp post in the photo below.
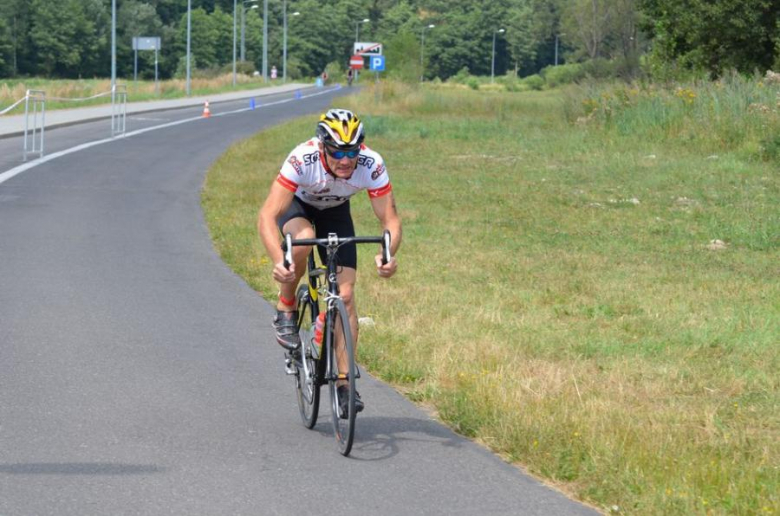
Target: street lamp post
{"x": 357, "y": 35}
{"x": 357, "y": 27}
{"x": 265, "y": 40}
{"x": 493, "y": 58}
{"x": 422, "y": 50}
{"x": 235, "y": 13}
{"x": 244, "y": 10}
{"x": 189, "y": 32}
{"x": 284, "y": 45}
{"x": 113, "y": 47}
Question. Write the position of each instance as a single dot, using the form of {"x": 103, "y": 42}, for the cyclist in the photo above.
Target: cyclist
{"x": 310, "y": 198}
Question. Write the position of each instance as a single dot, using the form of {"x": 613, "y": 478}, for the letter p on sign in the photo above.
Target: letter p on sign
{"x": 377, "y": 63}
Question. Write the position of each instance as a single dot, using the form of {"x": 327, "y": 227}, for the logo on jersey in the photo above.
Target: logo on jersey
{"x": 309, "y": 159}
{"x": 317, "y": 197}
{"x": 296, "y": 164}
{"x": 378, "y": 172}
{"x": 366, "y": 161}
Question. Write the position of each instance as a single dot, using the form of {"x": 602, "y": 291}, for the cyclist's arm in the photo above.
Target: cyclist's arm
{"x": 386, "y": 212}
{"x": 277, "y": 202}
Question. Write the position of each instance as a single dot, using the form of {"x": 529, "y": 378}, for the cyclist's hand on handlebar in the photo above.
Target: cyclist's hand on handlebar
{"x": 283, "y": 274}
{"x": 386, "y": 270}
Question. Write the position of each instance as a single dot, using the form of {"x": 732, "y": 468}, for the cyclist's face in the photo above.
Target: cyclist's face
{"x": 343, "y": 167}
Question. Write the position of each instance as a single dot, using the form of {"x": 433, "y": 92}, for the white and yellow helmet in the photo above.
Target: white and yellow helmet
{"x": 340, "y": 128}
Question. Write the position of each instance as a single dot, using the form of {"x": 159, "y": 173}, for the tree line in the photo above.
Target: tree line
{"x": 72, "y": 38}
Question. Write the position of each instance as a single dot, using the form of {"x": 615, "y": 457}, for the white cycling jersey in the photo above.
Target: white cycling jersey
{"x": 306, "y": 174}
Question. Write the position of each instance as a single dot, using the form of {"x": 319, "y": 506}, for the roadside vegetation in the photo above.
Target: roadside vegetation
{"x": 68, "y": 94}
{"x": 589, "y": 280}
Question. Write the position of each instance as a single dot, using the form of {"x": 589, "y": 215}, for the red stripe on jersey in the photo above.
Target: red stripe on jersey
{"x": 286, "y": 183}
{"x": 379, "y": 192}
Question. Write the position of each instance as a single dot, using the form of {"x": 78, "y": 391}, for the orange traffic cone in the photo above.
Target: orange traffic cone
{"x": 206, "y": 111}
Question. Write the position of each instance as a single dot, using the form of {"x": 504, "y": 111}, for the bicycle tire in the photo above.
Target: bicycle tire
{"x": 343, "y": 427}
{"x": 306, "y": 385}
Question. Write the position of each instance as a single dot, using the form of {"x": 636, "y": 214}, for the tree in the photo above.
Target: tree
{"x": 6, "y": 50}
{"x": 403, "y": 51}
{"x": 520, "y": 36}
{"x": 464, "y": 38}
{"x": 715, "y": 36}
{"x": 52, "y": 35}
{"x": 203, "y": 38}
{"x": 588, "y": 22}
{"x": 92, "y": 38}
{"x": 397, "y": 18}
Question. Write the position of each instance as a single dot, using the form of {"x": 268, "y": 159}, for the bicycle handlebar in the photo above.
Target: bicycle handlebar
{"x": 334, "y": 241}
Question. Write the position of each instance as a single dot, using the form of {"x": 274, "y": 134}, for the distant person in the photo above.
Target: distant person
{"x": 310, "y": 198}
{"x": 273, "y": 72}
{"x": 324, "y": 77}
{"x": 350, "y": 76}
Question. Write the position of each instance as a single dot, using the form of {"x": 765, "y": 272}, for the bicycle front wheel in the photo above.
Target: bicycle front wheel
{"x": 306, "y": 384}
{"x": 343, "y": 419}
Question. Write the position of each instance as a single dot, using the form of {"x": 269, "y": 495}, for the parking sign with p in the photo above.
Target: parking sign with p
{"x": 377, "y": 63}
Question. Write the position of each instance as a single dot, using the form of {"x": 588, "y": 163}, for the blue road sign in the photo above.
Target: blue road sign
{"x": 377, "y": 63}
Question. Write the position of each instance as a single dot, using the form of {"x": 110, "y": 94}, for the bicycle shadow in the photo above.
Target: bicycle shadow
{"x": 380, "y": 438}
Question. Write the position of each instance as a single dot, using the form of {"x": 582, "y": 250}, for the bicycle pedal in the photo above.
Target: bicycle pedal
{"x": 289, "y": 368}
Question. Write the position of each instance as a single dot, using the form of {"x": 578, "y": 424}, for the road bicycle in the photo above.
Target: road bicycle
{"x": 313, "y": 367}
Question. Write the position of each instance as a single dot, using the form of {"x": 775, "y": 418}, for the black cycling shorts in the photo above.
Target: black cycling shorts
{"x": 329, "y": 220}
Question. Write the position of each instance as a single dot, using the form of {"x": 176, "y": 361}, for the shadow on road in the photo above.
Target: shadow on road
{"x": 380, "y": 438}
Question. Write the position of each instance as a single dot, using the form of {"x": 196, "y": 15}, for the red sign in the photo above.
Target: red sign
{"x": 356, "y": 62}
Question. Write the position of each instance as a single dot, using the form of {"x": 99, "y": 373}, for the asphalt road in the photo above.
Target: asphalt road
{"x": 138, "y": 374}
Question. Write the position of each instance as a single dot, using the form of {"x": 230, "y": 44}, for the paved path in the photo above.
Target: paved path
{"x": 138, "y": 374}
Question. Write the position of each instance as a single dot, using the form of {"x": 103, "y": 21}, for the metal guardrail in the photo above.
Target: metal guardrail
{"x": 118, "y": 110}
{"x": 35, "y": 116}
{"x": 33, "y": 143}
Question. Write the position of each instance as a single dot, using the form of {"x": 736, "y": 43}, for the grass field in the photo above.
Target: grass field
{"x": 594, "y": 297}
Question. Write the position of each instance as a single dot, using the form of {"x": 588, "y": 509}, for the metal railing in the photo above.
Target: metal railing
{"x": 118, "y": 110}
{"x": 33, "y": 143}
{"x": 35, "y": 116}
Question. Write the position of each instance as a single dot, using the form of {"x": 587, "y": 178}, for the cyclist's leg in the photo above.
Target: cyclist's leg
{"x": 347, "y": 277}
{"x": 299, "y": 228}
{"x": 296, "y": 222}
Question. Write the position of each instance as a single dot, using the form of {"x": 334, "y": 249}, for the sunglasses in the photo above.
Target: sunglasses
{"x": 340, "y": 154}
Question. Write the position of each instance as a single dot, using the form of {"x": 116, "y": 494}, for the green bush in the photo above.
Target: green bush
{"x": 246, "y": 67}
{"x": 461, "y": 77}
{"x": 473, "y": 83}
{"x": 533, "y": 82}
{"x": 563, "y": 74}
{"x": 600, "y": 68}
{"x": 181, "y": 67}
{"x": 335, "y": 71}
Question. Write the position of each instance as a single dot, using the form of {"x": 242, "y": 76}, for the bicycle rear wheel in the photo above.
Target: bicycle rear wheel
{"x": 306, "y": 385}
{"x": 343, "y": 423}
